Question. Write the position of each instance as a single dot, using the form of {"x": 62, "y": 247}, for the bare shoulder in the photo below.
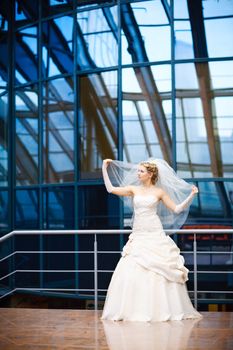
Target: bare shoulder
{"x": 159, "y": 192}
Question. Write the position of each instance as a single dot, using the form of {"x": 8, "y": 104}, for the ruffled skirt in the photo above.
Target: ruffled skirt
{"x": 149, "y": 285}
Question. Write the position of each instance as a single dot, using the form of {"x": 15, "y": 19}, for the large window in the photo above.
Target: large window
{"x": 81, "y": 81}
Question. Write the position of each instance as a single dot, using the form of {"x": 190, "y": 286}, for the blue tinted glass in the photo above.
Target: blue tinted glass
{"x": 3, "y": 140}
{"x": 97, "y": 38}
{"x": 59, "y": 208}
{"x": 26, "y": 55}
{"x": 149, "y": 40}
{"x": 214, "y": 203}
{"x": 59, "y": 130}
{"x": 219, "y": 37}
{"x": 26, "y": 104}
{"x": 27, "y": 214}
{"x": 4, "y": 211}
{"x": 97, "y": 209}
{"x": 26, "y": 12}
{"x": 217, "y": 8}
{"x": 57, "y": 48}
{"x": 51, "y": 7}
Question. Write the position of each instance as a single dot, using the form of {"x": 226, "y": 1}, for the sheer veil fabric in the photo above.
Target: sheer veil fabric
{"x": 125, "y": 174}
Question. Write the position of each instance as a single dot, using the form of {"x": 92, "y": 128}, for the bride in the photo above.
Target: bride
{"x": 148, "y": 283}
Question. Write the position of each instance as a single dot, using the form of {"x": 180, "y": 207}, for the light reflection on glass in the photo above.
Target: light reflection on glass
{"x": 219, "y": 37}
{"x": 98, "y": 29}
{"x": 26, "y": 55}
{"x": 59, "y": 131}
{"x": 57, "y": 50}
{"x": 142, "y": 132}
{"x": 26, "y": 104}
{"x": 97, "y": 122}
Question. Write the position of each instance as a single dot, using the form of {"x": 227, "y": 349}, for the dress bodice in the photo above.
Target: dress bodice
{"x": 145, "y": 204}
{"x": 145, "y": 213}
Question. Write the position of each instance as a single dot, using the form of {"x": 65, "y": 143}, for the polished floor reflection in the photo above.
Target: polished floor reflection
{"x": 80, "y": 329}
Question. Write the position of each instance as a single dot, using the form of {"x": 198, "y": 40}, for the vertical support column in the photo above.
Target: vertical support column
{"x": 120, "y": 119}
{"x": 40, "y": 138}
{"x": 76, "y": 145}
{"x": 195, "y": 268}
{"x": 95, "y": 272}
{"x": 173, "y": 87}
{"x": 11, "y": 132}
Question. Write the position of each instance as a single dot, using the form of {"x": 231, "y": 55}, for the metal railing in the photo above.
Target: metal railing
{"x": 95, "y": 251}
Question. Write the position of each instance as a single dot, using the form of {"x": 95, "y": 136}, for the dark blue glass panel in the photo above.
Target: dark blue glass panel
{"x": 59, "y": 208}
{"x": 4, "y": 211}
{"x": 97, "y": 209}
{"x": 59, "y": 214}
{"x": 26, "y": 55}
{"x": 27, "y": 211}
{"x": 26, "y": 12}
{"x": 3, "y": 140}
{"x": 52, "y": 7}
{"x": 4, "y": 57}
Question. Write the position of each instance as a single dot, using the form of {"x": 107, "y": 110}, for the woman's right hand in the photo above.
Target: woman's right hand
{"x": 106, "y": 162}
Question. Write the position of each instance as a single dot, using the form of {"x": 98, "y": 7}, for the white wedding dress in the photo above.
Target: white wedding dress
{"x": 148, "y": 283}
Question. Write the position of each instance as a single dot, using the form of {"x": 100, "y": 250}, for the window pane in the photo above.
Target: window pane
{"x": 58, "y": 130}
{"x": 219, "y": 37}
{"x": 59, "y": 208}
{"x": 150, "y": 39}
{"x": 214, "y": 203}
{"x": 184, "y": 40}
{"x": 57, "y": 50}
{"x": 26, "y": 56}
{"x": 26, "y": 12}
{"x": 97, "y": 38}
{"x": 26, "y": 104}
{"x": 101, "y": 215}
{"x": 3, "y": 140}
{"x": 181, "y": 9}
{"x": 147, "y": 112}
{"x": 217, "y": 8}
{"x": 221, "y": 74}
{"x": 4, "y": 58}
{"x": 53, "y": 7}
{"x": 204, "y": 128}
{"x": 4, "y": 211}
{"x": 27, "y": 213}
{"x": 97, "y": 122}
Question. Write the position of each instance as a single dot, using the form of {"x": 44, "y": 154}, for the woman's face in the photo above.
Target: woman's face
{"x": 143, "y": 174}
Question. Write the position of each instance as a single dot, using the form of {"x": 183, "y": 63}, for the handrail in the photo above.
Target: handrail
{"x": 114, "y": 231}
{"x": 95, "y": 251}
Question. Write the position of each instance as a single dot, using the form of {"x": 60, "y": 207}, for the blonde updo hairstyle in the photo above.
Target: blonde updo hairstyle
{"x": 151, "y": 168}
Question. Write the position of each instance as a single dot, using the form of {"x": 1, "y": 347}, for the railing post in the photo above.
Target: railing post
{"x": 195, "y": 268}
{"x": 96, "y": 272}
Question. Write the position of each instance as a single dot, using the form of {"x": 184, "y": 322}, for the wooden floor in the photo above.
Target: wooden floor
{"x": 82, "y": 329}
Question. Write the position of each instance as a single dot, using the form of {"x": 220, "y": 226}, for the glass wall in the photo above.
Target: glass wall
{"x": 81, "y": 81}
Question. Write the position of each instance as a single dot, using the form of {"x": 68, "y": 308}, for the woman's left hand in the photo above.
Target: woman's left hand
{"x": 194, "y": 190}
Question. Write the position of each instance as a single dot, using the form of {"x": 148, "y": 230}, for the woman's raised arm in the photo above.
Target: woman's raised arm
{"x": 120, "y": 191}
{"x": 178, "y": 208}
